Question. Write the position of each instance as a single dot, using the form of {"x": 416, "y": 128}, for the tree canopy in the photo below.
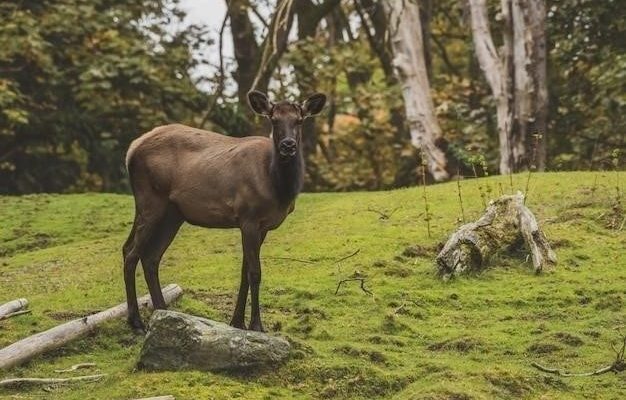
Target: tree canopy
{"x": 80, "y": 79}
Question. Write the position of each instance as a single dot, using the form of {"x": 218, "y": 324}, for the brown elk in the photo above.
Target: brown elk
{"x": 179, "y": 174}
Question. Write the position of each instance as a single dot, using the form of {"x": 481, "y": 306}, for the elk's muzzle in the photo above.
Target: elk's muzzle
{"x": 288, "y": 147}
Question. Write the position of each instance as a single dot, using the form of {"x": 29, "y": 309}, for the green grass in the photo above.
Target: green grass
{"x": 417, "y": 337}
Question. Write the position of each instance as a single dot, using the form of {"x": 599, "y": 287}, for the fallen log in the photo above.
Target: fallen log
{"x": 506, "y": 223}
{"x": 12, "y": 307}
{"x": 17, "y": 383}
{"x": 22, "y": 351}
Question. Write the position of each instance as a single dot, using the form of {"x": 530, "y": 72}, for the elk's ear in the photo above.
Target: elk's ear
{"x": 259, "y": 103}
{"x": 314, "y": 104}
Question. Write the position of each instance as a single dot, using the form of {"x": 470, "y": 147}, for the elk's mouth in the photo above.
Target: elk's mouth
{"x": 288, "y": 153}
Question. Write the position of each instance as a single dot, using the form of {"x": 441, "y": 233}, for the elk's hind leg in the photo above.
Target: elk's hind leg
{"x": 150, "y": 209}
{"x": 131, "y": 259}
{"x": 151, "y": 255}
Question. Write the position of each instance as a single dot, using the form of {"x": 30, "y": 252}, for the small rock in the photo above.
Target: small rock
{"x": 178, "y": 341}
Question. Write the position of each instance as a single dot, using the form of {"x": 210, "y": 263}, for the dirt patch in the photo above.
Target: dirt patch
{"x": 561, "y": 243}
{"x": 69, "y": 315}
{"x": 613, "y": 302}
{"x": 398, "y": 271}
{"x": 568, "y": 339}
{"x": 384, "y": 340}
{"x": 417, "y": 251}
{"x": 510, "y": 385}
{"x": 543, "y": 348}
{"x": 372, "y": 355}
{"x": 448, "y": 396}
{"x": 223, "y": 303}
{"x": 463, "y": 344}
{"x": 35, "y": 241}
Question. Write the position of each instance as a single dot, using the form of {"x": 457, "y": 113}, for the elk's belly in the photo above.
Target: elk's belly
{"x": 209, "y": 214}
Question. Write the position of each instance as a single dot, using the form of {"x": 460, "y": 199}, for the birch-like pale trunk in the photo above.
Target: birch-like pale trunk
{"x": 517, "y": 78}
{"x": 497, "y": 72}
{"x": 408, "y": 59}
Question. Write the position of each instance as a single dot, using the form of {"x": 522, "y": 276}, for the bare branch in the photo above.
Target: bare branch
{"x": 362, "y": 285}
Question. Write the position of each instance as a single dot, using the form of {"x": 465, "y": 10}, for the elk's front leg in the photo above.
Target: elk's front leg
{"x": 242, "y": 298}
{"x": 252, "y": 240}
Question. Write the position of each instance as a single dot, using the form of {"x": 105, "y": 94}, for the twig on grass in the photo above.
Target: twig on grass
{"x": 316, "y": 261}
{"x": 383, "y": 215}
{"x": 75, "y": 367}
{"x": 362, "y": 280}
{"x": 346, "y": 257}
{"x": 13, "y": 314}
{"x": 14, "y": 383}
{"x": 290, "y": 259}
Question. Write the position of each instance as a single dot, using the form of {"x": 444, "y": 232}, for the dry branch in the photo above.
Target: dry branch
{"x": 558, "y": 372}
{"x": 12, "y": 307}
{"x": 16, "y": 383}
{"x": 362, "y": 280}
{"x": 506, "y": 222}
{"x": 75, "y": 367}
{"x": 618, "y": 365}
{"x": 22, "y": 351}
{"x": 14, "y": 314}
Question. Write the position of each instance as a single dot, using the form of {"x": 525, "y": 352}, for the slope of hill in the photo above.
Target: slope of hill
{"x": 416, "y": 337}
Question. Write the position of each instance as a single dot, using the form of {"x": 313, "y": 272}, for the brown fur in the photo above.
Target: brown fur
{"x": 182, "y": 174}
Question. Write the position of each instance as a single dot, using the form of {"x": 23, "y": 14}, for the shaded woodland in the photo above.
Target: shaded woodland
{"x": 419, "y": 91}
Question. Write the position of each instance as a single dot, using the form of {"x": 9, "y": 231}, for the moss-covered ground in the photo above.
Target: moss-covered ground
{"x": 416, "y": 337}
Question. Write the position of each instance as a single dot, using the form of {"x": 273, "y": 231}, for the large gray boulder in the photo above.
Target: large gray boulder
{"x": 178, "y": 341}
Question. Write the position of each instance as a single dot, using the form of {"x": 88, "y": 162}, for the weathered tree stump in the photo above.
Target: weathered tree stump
{"x": 177, "y": 341}
{"x": 506, "y": 222}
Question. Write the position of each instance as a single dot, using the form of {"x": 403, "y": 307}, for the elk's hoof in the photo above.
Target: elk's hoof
{"x": 137, "y": 326}
{"x": 257, "y": 327}
{"x": 238, "y": 324}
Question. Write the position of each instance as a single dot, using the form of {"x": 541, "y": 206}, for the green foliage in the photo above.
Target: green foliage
{"x": 79, "y": 80}
{"x": 416, "y": 337}
{"x": 587, "y": 82}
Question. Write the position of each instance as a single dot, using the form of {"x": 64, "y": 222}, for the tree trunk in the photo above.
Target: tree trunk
{"x": 496, "y": 73}
{"x": 517, "y": 78}
{"x": 531, "y": 69}
{"x": 246, "y": 49}
{"x": 408, "y": 48}
{"x": 53, "y": 338}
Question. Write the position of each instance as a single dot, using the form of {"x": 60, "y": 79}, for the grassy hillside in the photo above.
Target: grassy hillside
{"x": 417, "y": 337}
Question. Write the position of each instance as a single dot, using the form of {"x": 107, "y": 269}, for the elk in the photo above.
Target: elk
{"x": 182, "y": 174}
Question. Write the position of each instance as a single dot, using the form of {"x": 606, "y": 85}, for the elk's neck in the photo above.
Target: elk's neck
{"x": 287, "y": 176}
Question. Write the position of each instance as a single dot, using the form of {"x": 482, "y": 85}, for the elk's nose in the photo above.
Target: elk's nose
{"x": 287, "y": 147}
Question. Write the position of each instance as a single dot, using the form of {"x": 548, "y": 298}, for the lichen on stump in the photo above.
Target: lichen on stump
{"x": 506, "y": 222}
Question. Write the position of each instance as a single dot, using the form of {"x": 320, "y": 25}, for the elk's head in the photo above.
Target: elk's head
{"x": 286, "y": 118}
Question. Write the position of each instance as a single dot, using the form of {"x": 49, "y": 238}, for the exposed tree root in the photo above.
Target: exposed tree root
{"x": 362, "y": 280}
